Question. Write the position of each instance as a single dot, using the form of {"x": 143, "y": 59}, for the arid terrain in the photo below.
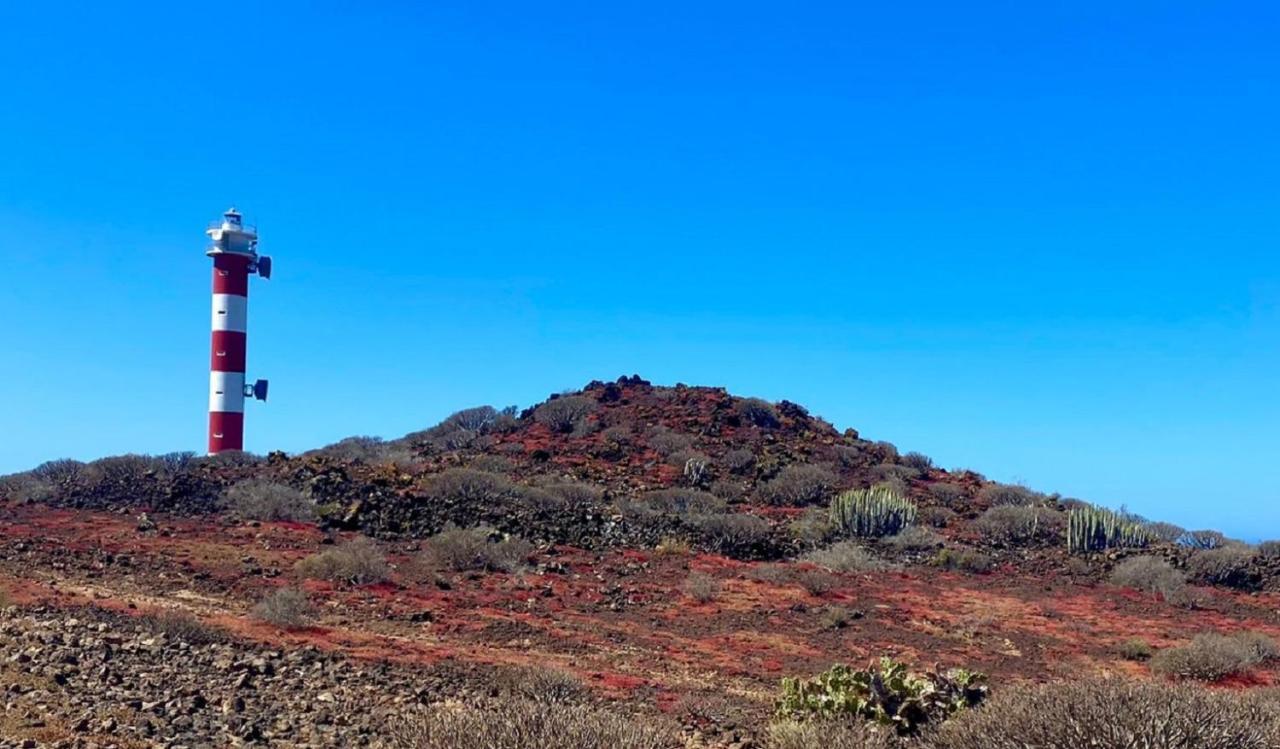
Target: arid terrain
{"x": 667, "y": 553}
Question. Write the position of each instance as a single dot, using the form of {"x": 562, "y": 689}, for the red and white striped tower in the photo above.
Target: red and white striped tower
{"x": 235, "y": 256}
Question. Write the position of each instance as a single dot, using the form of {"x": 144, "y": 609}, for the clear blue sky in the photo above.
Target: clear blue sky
{"x": 1035, "y": 239}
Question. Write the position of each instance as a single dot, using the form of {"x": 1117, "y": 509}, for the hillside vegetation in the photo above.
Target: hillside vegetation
{"x": 684, "y": 566}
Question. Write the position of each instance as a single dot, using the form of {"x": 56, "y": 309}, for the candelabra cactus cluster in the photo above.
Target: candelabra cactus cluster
{"x": 878, "y": 511}
{"x": 1098, "y": 529}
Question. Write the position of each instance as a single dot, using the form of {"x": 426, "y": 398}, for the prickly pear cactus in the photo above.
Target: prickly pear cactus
{"x": 885, "y": 693}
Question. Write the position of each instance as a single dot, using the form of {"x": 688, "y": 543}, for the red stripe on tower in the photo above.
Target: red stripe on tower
{"x": 235, "y": 256}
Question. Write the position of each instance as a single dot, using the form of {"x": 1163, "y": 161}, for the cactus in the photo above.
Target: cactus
{"x": 884, "y": 693}
{"x": 874, "y": 512}
{"x": 1098, "y": 529}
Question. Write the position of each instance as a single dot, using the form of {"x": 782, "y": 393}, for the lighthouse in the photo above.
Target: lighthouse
{"x": 235, "y": 256}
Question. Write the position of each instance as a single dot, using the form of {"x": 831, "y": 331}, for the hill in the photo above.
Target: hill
{"x": 665, "y": 551}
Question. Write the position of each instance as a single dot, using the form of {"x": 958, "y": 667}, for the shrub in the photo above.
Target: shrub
{"x": 1135, "y": 650}
{"x": 964, "y": 560}
{"x": 885, "y": 693}
{"x": 1263, "y": 647}
{"x": 887, "y": 450}
{"x": 479, "y": 548}
{"x": 467, "y": 485}
{"x": 1269, "y": 549}
{"x": 679, "y": 502}
{"x": 481, "y": 419}
{"x": 357, "y": 562}
{"x": 565, "y": 413}
{"x": 739, "y": 460}
{"x": 774, "y": 574}
{"x": 814, "y": 525}
{"x": 845, "y": 556}
{"x": 837, "y": 617}
{"x": 672, "y": 547}
{"x": 1167, "y": 532}
{"x": 757, "y": 412}
{"x": 667, "y": 441}
{"x": 59, "y": 473}
{"x": 1203, "y": 539}
{"x": 790, "y": 734}
{"x": 701, "y": 587}
{"x": 258, "y": 499}
{"x": 894, "y": 473}
{"x": 914, "y": 538}
{"x": 1099, "y": 529}
{"x": 1208, "y": 657}
{"x": 287, "y": 608}
{"x": 574, "y": 492}
{"x": 5, "y": 600}
{"x": 523, "y": 724}
{"x": 801, "y": 484}
{"x": 918, "y": 461}
{"x": 937, "y": 517}
{"x": 732, "y": 533}
{"x": 871, "y": 513}
{"x": 1224, "y": 565}
{"x": 1018, "y": 524}
{"x": 948, "y": 494}
{"x": 541, "y": 683}
{"x": 464, "y": 428}
{"x": 1009, "y": 494}
{"x": 1150, "y": 575}
{"x": 1096, "y": 712}
{"x": 816, "y": 582}
{"x": 182, "y": 627}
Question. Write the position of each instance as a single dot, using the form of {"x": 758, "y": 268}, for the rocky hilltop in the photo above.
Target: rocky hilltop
{"x": 665, "y": 553}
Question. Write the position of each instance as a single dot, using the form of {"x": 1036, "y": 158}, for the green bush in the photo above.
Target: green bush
{"x": 701, "y": 587}
{"x": 1167, "y": 532}
{"x": 287, "y": 608}
{"x": 739, "y": 460}
{"x": 479, "y": 548}
{"x": 357, "y": 562}
{"x": 801, "y": 484}
{"x": 885, "y": 693}
{"x": 871, "y": 513}
{"x": 1015, "y": 525}
{"x": 1150, "y": 575}
{"x": 1135, "y": 650}
{"x": 845, "y": 556}
{"x": 790, "y": 734}
{"x": 731, "y": 533}
{"x": 757, "y": 412}
{"x": 964, "y": 560}
{"x": 1211, "y": 656}
{"x": 1009, "y": 494}
{"x": 182, "y": 627}
{"x": 1113, "y": 714}
{"x": 948, "y": 494}
{"x": 528, "y": 724}
{"x": 678, "y": 502}
{"x": 565, "y": 413}
{"x": 914, "y": 538}
{"x": 469, "y": 486}
{"x": 1225, "y": 565}
{"x": 258, "y": 499}
{"x": 1203, "y": 539}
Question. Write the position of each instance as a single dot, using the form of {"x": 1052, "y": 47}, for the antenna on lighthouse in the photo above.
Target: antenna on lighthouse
{"x": 234, "y": 249}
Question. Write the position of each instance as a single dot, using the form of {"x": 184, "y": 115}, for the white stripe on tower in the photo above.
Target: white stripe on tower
{"x": 230, "y": 312}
